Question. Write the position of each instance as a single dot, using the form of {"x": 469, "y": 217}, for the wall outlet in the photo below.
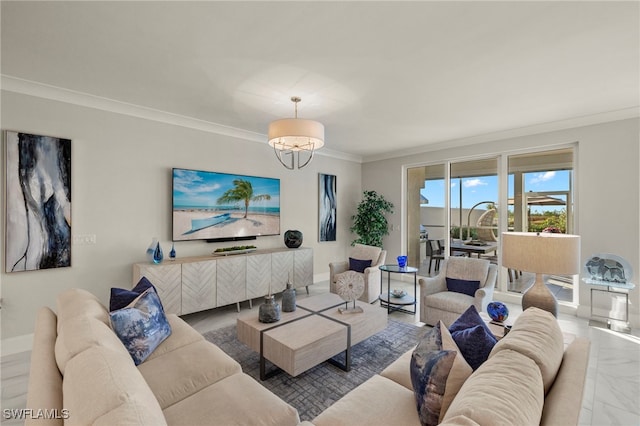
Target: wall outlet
{"x": 84, "y": 239}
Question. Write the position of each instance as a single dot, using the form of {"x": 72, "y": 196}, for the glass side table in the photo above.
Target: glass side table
{"x": 615, "y": 289}
{"x": 391, "y": 302}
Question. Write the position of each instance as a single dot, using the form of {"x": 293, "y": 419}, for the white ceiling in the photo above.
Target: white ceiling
{"x": 381, "y": 76}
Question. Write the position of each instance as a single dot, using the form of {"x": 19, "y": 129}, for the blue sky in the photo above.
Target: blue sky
{"x": 485, "y": 188}
{"x": 199, "y": 188}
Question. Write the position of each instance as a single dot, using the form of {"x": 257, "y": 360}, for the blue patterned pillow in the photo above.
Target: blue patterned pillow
{"x": 141, "y": 326}
{"x": 358, "y": 265}
{"x": 121, "y": 297}
{"x": 462, "y": 286}
{"x": 473, "y": 337}
{"x": 437, "y": 371}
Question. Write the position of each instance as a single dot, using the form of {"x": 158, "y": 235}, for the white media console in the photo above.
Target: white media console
{"x": 193, "y": 284}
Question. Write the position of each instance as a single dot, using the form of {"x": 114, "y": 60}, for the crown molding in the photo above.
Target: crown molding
{"x": 587, "y": 120}
{"x": 32, "y": 88}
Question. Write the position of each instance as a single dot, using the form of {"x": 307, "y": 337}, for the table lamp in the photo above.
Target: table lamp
{"x": 541, "y": 253}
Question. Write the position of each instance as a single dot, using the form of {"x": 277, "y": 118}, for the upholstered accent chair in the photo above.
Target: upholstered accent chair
{"x": 361, "y": 253}
{"x": 461, "y": 282}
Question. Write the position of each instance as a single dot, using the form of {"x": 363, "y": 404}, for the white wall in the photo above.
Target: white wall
{"x": 607, "y": 196}
{"x": 121, "y": 192}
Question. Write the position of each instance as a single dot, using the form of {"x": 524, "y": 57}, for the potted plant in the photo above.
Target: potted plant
{"x": 370, "y": 222}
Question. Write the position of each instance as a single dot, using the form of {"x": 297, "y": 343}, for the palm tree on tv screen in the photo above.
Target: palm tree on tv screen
{"x": 242, "y": 191}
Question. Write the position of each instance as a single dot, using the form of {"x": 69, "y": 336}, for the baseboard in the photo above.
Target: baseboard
{"x": 14, "y": 345}
{"x": 320, "y": 277}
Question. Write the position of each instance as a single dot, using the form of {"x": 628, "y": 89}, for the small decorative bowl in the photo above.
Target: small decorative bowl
{"x": 398, "y": 293}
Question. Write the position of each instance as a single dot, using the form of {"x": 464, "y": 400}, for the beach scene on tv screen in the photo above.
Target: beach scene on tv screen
{"x": 209, "y": 205}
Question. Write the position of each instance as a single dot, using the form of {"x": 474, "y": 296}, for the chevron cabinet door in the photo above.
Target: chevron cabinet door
{"x": 303, "y": 267}
{"x": 281, "y": 270}
{"x": 198, "y": 286}
{"x": 258, "y": 275}
{"x": 167, "y": 279}
{"x": 195, "y": 284}
{"x": 232, "y": 280}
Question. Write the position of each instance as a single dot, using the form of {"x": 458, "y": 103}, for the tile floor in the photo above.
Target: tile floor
{"x": 612, "y": 393}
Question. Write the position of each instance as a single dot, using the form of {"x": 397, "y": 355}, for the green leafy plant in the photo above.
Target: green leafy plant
{"x": 370, "y": 222}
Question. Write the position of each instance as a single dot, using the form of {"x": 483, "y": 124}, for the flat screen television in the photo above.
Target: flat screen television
{"x": 224, "y": 207}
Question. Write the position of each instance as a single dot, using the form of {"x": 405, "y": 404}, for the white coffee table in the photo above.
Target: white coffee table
{"x": 312, "y": 334}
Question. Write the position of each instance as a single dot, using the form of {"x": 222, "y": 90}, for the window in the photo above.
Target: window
{"x": 539, "y": 196}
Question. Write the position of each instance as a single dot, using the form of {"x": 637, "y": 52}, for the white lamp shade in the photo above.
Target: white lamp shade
{"x": 296, "y": 134}
{"x": 543, "y": 253}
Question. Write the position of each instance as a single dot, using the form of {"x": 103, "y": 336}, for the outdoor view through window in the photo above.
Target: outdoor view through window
{"x": 539, "y": 198}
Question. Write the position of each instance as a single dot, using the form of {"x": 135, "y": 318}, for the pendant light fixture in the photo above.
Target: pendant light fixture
{"x": 293, "y": 137}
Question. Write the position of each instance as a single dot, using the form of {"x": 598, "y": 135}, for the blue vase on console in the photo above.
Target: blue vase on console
{"x": 157, "y": 254}
{"x": 151, "y": 250}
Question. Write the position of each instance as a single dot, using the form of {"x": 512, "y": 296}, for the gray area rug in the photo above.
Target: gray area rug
{"x": 316, "y": 389}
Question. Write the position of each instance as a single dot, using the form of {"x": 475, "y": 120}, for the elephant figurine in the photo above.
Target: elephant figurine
{"x": 609, "y": 270}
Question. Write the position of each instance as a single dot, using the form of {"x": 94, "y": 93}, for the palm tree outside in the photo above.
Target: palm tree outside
{"x": 242, "y": 191}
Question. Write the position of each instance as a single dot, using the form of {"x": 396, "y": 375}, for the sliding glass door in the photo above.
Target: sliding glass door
{"x": 460, "y": 202}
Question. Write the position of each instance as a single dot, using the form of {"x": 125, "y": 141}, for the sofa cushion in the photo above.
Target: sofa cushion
{"x": 473, "y": 337}
{"x": 178, "y": 374}
{"x": 142, "y": 325}
{"x": 104, "y": 387}
{"x": 398, "y": 371}
{"x": 78, "y": 302}
{"x": 563, "y": 401}
{"x": 235, "y": 400}
{"x": 182, "y": 334}
{"x": 121, "y": 297}
{"x": 359, "y": 265}
{"x": 80, "y": 333}
{"x": 448, "y": 301}
{"x": 378, "y": 401}
{"x": 505, "y": 390}
{"x": 467, "y": 287}
{"x": 537, "y": 335}
{"x": 437, "y": 371}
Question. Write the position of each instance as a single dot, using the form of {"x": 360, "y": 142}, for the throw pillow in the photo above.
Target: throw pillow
{"x": 121, "y": 297}
{"x": 359, "y": 265}
{"x": 142, "y": 325}
{"x": 462, "y": 286}
{"x": 473, "y": 337}
{"x": 437, "y": 371}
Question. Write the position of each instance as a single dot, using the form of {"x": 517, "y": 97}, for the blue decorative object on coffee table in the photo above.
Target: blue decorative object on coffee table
{"x": 498, "y": 311}
{"x": 402, "y": 261}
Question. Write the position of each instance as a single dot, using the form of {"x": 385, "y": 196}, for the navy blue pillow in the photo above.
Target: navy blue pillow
{"x": 358, "y": 265}
{"x": 462, "y": 286}
{"x": 475, "y": 343}
{"x": 473, "y": 337}
{"x": 121, "y": 297}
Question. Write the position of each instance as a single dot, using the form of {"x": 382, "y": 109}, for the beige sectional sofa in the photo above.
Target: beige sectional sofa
{"x": 534, "y": 375}
{"x": 82, "y": 374}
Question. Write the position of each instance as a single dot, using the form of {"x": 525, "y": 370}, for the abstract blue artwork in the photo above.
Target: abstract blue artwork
{"x": 327, "y": 210}
{"x": 38, "y": 202}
